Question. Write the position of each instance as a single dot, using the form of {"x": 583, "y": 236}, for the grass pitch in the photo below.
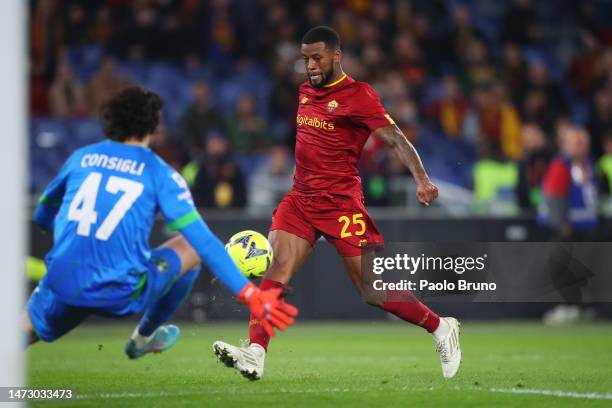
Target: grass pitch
{"x": 336, "y": 364}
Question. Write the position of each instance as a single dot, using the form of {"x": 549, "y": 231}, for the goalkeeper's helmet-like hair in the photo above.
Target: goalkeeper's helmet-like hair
{"x": 134, "y": 112}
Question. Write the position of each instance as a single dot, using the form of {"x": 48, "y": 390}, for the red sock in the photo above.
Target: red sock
{"x": 407, "y": 307}
{"x": 256, "y": 332}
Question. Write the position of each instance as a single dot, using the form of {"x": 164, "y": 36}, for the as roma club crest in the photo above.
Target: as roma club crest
{"x": 332, "y": 105}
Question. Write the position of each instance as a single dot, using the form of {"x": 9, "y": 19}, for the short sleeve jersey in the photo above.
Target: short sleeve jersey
{"x": 333, "y": 124}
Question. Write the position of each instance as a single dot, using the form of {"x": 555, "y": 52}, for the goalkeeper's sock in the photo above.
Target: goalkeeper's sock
{"x": 407, "y": 307}
{"x": 139, "y": 339}
{"x": 257, "y": 334}
{"x": 168, "y": 304}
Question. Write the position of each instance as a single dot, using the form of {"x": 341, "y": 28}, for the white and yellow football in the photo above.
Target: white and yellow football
{"x": 251, "y": 252}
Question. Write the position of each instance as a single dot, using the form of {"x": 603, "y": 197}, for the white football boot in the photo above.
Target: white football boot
{"x": 248, "y": 360}
{"x": 449, "y": 349}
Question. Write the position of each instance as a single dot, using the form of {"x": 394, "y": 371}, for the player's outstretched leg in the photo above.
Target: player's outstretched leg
{"x": 150, "y": 336}
{"x": 448, "y": 347}
{"x": 249, "y": 359}
{"x": 445, "y": 330}
{"x": 290, "y": 252}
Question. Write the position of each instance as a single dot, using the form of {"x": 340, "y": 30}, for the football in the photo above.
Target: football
{"x": 251, "y": 252}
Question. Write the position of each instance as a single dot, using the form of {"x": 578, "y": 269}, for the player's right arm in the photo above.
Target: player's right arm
{"x": 369, "y": 111}
{"x": 176, "y": 205}
{"x": 51, "y": 199}
{"x": 395, "y": 139}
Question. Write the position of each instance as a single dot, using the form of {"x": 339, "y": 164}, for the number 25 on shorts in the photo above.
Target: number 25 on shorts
{"x": 356, "y": 221}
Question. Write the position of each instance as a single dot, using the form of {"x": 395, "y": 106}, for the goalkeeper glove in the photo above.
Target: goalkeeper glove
{"x": 268, "y": 307}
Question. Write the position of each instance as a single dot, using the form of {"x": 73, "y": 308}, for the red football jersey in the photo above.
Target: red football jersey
{"x": 333, "y": 124}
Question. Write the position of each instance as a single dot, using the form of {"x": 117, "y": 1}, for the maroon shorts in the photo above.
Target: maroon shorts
{"x": 343, "y": 221}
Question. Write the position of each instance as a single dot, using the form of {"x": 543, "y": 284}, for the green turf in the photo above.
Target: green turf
{"x": 338, "y": 365}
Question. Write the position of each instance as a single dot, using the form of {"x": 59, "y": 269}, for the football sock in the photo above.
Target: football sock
{"x": 139, "y": 339}
{"x": 407, "y": 307}
{"x": 168, "y": 304}
{"x": 257, "y": 333}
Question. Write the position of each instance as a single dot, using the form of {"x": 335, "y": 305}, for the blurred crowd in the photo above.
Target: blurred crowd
{"x": 491, "y": 93}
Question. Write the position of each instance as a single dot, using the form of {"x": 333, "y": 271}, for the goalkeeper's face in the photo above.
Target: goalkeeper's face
{"x": 320, "y": 63}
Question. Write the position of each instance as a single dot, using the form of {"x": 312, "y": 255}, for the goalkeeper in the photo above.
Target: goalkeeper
{"x": 101, "y": 208}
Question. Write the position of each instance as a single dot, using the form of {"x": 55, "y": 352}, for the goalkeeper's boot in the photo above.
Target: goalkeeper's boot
{"x": 449, "y": 349}
{"x": 248, "y": 360}
{"x": 161, "y": 340}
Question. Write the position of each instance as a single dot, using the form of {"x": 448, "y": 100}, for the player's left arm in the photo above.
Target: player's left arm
{"x": 51, "y": 199}
{"x": 394, "y": 138}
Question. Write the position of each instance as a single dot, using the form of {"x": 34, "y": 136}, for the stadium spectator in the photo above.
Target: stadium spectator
{"x": 75, "y": 25}
{"x": 495, "y": 121}
{"x": 380, "y": 14}
{"x": 569, "y": 206}
{"x": 495, "y": 180}
{"x": 450, "y": 110}
{"x": 222, "y": 31}
{"x": 461, "y": 34}
{"x": 604, "y": 167}
{"x": 45, "y": 35}
{"x": 271, "y": 180}
{"x": 533, "y": 166}
{"x": 476, "y": 68}
{"x": 39, "y": 89}
{"x": 600, "y": 121}
{"x": 219, "y": 182}
{"x": 537, "y": 109}
{"x": 370, "y": 57}
{"x": 585, "y": 66}
{"x": 101, "y": 31}
{"x": 67, "y": 95}
{"x": 315, "y": 13}
{"x": 140, "y": 36}
{"x": 428, "y": 43}
{"x": 164, "y": 148}
{"x": 405, "y": 114}
{"x": 284, "y": 97}
{"x": 408, "y": 61}
{"x": 247, "y": 130}
{"x": 513, "y": 71}
{"x": 105, "y": 83}
{"x": 604, "y": 78}
{"x": 374, "y": 167}
{"x": 543, "y": 97}
{"x": 199, "y": 119}
{"x": 521, "y": 24}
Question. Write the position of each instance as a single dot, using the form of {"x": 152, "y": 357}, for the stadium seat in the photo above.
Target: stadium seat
{"x": 85, "y": 131}
{"x": 48, "y": 133}
{"x": 85, "y": 60}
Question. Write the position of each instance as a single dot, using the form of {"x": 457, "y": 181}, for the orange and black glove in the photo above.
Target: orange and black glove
{"x": 269, "y": 307}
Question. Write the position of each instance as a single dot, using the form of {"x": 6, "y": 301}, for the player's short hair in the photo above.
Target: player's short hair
{"x": 133, "y": 112}
{"x": 322, "y": 34}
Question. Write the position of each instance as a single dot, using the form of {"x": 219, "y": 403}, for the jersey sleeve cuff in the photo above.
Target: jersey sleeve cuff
{"x": 184, "y": 221}
{"x": 380, "y": 122}
{"x": 55, "y": 202}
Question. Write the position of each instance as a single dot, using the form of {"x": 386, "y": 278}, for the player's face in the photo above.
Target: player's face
{"x": 319, "y": 62}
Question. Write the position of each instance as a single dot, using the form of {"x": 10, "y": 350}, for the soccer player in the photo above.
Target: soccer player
{"x": 101, "y": 207}
{"x": 336, "y": 114}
